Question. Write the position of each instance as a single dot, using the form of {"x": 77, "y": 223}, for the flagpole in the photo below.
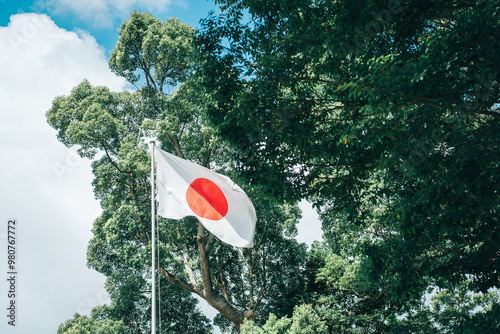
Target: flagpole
{"x": 153, "y": 258}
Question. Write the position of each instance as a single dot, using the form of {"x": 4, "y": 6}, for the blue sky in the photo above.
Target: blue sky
{"x": 102, "y": 18}
{"x": 47, "y": 47}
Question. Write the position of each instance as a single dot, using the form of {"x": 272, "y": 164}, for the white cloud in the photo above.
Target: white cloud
{"x": 44, "y": 184}
{"x": 102, "y": 12}
{"x": 309, "y": 227}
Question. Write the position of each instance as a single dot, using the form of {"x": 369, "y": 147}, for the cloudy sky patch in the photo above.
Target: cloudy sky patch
{"x": 102, "y": 13}
{"x": 45, "y": 185}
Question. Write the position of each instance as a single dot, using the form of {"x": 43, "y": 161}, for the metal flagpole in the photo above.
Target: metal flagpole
{"x": 153, "y": 281}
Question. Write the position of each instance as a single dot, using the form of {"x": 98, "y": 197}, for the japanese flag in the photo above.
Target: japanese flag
{"x": 188, "y": 189}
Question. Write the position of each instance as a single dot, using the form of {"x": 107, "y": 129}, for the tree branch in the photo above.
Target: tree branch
{"x": 177, "y": 146}
{"x": 218, "y": 302}
{"x": 188, "y": 268}
{"x": 176, "y": 280}
{"x": 111, "y": 160}
{"x": 329, "y": 82}
{"x": 204, "y": 267}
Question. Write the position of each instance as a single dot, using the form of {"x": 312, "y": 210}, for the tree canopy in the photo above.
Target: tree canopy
{"x": 385, "y": 115}
{"x": 86, "y": 325}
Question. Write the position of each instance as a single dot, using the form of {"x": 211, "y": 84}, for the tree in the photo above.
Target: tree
{"x": 458, "y": 310}
{"x": 108, "y": 128}
{"x": 85, "y": 325}
{"x": 455, "y": 310}
{"x": 109, "y": 124}
{"x": 384, "y": 114}
{"x": 304, "y": 321}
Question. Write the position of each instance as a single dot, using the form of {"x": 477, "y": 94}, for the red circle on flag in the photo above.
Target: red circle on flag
{"x": 206, "y": 199}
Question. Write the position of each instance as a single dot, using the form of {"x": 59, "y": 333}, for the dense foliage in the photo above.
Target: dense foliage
{"x": 385, "y": 115}
{"x": 88, "y": 325}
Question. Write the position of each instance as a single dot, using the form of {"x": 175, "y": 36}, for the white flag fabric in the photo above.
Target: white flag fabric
{"x": 188, "y": 189}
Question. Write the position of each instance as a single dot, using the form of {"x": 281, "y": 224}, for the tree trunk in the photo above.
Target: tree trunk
{"x": 218, "y": 302}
